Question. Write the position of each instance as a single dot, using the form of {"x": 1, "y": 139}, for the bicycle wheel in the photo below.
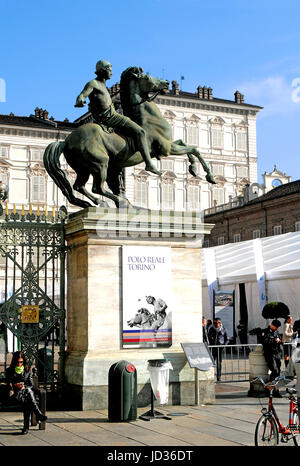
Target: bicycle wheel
{"x": 266, "y": 432}
{"x": 296, "y": 435}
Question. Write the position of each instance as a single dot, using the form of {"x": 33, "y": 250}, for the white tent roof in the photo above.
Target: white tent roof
{"x": 235, "y": 262}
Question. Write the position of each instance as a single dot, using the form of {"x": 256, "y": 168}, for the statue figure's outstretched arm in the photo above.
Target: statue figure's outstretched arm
{"x": 87, "y": 90}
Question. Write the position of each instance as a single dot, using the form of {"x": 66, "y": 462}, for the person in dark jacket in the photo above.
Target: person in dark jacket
{"x": 273, "y": 352}
{"x": 19, "y": 378}
{"x": 218, "y": 336}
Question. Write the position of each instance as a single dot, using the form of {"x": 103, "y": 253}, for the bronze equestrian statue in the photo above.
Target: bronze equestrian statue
{"x": 93, "y": 149}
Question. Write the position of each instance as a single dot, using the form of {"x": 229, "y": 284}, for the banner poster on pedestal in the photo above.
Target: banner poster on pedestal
{"x": 146, "y": 286}
{"x": 224, "y": 308}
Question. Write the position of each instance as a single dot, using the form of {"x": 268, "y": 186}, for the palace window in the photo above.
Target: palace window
{"x": 193, "y": 135}
{"x": 217, "y": 138}
{"x": 256, "y": 234}
{"x": 237, "y": 238}
{"x": 241, "y": 141}
{"x": 277, "y": 230}
{"x": 193, "y": 197}
{"x": 218, "y": 169}
{"x": 242, "y": 172}
{"x": 4, "y": 151}
{"x": 141, "y": 190}
{"x": 167, "y": 165}
{"x": 297, "y": 226}
{"x": 221, "y": 240}
{"x": 37, "y": 155}
{"x": 167, "y": 196}
{"x": 38, "y": 189}
{"x": 4, "y": 177}
{"x": 218, "y": 196}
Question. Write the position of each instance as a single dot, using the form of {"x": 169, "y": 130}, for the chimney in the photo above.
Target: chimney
{"x": 210, "y": 93}
{"x": 205, "y": 92}
{"x": 175, "y": 88}
{"x": 238, "y": 98}
{"x": 200, "y": 92}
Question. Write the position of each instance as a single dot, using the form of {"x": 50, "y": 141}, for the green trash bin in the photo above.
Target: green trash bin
{"x": 45, "y": 365}
{"x": 122, "y": 392}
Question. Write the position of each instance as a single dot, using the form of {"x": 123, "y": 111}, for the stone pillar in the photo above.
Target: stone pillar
{"x": 95, "y": 237}
{"x": 257, "y": 367}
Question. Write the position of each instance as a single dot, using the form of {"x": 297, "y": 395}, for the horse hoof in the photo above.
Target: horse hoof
{"x": 153, "y": 170}
{"x": 123, "y": 203}
{"x": 209, "y": 177}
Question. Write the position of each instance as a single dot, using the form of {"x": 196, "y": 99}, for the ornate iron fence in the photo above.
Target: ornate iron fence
{"x": 32, "y": 282}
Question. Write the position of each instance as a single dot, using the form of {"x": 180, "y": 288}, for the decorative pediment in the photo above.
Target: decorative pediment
{"x": 141, "y": 175}
{"x": 168, "y": 174}
{"x": 241, "y": 125}
{"x": 169, "y": 115}
{"x": 194, "y": 119}
{"x": 5, "y": 164}
{"x": 168, "y": 177}
{"x": 70, "y": 173}
{"x": 219, "y": 179}
{"x": 217, "y": 121}
{"x": 243, "y": 182}
{"x": 37, "y": 169}
{"x": 193, "y": 180}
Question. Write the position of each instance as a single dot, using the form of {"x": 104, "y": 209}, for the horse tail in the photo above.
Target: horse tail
{"x": 53, "y": 168}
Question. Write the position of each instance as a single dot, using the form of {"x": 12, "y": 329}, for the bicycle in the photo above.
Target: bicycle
{"x": 269, "y": 426}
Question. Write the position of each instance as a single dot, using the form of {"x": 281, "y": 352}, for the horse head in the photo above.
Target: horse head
{"x": 133, "y": 82}
{"x": 141, "y": 317}
{"x": 148, "y": 84}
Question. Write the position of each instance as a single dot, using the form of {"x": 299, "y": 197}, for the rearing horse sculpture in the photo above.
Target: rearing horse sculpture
{"x": 90, "y": 150}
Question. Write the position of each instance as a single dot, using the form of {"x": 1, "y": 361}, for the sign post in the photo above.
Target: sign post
{"x": 199, "y": 357}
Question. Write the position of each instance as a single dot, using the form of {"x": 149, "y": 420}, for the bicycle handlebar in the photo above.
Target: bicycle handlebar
{"x": 271, "y": 383}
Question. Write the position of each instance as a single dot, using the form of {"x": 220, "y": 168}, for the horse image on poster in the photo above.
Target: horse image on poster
{"x": 154, "y": 332}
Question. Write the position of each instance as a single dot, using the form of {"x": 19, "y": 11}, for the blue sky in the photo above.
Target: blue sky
{"x": 49, "y": 50}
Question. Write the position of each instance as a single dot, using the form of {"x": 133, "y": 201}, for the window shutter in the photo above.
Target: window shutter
{"x": 241, "y": 141}
{"x": 193, "y": 135}
{"x": 38, "y": 192}
{"x": 141, "y": 193}
{"x": 167, "y": 196}
{"x": 217, "y": 138}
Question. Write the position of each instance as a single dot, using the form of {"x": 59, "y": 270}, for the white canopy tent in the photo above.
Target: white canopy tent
{"x": 275, "y": 260}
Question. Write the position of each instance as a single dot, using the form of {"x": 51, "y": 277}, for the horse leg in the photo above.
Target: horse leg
{"x": 79, "y": 185}
{"x": 99, "y": 172}
{"x": 179, "y": 148}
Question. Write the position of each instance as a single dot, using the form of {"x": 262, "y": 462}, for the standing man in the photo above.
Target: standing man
{"x": 204, "y": 331}
{"x": 104, "y": 113}
{"x": 272, "y": 346}
{"x": 218, "y": 336}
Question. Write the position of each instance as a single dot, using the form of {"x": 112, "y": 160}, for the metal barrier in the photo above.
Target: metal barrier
{"x": 232, "y": 362}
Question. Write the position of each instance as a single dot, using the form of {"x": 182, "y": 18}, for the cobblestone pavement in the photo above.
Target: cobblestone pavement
{"x": 230, "y": 421}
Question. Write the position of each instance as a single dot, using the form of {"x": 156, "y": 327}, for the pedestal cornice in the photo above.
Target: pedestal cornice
{"x": 130, "y": 225}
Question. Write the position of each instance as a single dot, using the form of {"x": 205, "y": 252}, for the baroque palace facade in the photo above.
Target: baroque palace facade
{"x": 223, "y": 130}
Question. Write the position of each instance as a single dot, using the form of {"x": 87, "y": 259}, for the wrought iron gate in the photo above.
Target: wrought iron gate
{"x": 32, "y": 281}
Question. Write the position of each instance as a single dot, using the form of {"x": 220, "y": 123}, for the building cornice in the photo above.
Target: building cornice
{"x": 208, "y": 105}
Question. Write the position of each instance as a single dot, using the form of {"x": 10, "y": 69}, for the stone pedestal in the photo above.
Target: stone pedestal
{"x": 257, "y": 368}
{"x": 95, "y": 237}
